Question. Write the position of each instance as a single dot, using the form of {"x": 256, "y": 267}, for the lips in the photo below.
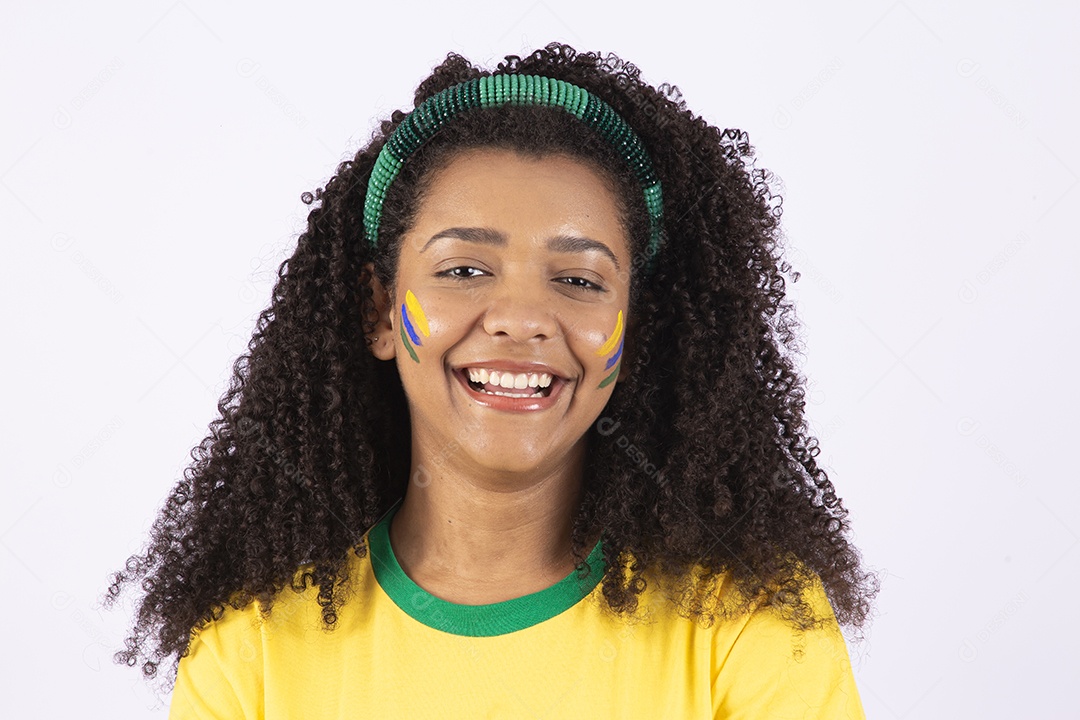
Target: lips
{"x": 530, "y": 403}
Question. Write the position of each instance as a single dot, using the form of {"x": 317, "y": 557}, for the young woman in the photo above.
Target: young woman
{"x": 518, "y": 436}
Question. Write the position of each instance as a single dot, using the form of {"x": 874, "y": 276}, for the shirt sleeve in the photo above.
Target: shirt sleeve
{"x": 771, "y": 670}
{"x": 221, "y": 676}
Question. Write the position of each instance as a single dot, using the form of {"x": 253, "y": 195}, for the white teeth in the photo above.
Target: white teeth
{"x": 518, "y": 381}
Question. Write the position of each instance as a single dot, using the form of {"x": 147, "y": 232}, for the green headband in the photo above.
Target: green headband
{"x": 496, "y": 90}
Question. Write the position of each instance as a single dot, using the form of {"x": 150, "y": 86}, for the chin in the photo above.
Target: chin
{"x": 511, "y": 462}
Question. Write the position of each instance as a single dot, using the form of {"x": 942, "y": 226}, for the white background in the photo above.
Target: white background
{"x": 151, "y": 164}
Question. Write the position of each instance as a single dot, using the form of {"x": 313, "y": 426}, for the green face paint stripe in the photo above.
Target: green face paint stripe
{"x": 408, "y": 345}
{"x": 610, "y": 378}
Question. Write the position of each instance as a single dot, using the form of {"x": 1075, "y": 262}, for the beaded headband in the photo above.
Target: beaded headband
{"x": 497, "y": 90}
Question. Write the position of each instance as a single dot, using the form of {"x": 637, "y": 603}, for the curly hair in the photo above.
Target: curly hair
{"x": 701, "y": 466}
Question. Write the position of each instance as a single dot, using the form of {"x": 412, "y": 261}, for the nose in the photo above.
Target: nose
{"x": 518, "y": 309}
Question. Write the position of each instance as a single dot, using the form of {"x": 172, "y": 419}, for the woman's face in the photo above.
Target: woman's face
{"x": 508, "y": 312}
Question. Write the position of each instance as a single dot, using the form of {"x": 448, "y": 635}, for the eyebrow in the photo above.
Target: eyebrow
{"x": 558, "y": 243}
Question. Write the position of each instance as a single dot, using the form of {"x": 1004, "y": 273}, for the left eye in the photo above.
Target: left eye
{"x": 580, "y": 282}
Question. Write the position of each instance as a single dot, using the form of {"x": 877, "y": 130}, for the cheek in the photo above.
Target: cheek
{"x": 610, "y": 352}
{"x": 426, "y": 319}
{"x": 414, "y": 325}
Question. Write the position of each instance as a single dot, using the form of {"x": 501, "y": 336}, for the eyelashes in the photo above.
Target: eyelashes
{"x": 450, "y": 273}
{"x": 587, "y": 286}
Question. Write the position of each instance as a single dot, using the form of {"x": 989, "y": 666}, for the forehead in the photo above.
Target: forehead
{"x": 548, "y": 194}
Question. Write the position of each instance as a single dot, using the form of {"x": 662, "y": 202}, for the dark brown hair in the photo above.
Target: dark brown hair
{"x": 702, "y": 458}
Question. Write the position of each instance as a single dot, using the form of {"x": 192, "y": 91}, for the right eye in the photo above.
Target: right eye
{"x": 454, "y": 274}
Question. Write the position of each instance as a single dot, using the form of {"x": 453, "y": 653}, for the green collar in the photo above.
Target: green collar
{"x": 475, "y": 620}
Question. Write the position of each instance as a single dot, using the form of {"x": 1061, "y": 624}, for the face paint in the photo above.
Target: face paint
{"x": 413, "y": 319}
{"x": 613, "y": 348}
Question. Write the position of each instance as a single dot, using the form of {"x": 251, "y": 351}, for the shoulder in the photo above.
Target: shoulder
{"x": 221, "y": 675}
{"x": 223, "y": 672}
{"x": 246, "y": 620}
{"x": 774, "y": 661}
{"x": 769, "y": 655}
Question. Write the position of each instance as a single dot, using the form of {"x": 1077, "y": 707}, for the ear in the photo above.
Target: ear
{"x": 382, "y": 335}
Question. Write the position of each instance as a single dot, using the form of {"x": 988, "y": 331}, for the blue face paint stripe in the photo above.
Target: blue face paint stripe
{"x": 408, "y": 326}
{"x": 615, "y": 358}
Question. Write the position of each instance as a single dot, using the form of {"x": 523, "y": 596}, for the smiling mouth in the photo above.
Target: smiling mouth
{"x": 499, "y": 390}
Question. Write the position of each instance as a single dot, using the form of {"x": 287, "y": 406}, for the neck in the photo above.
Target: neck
{"x": 475, "y": 543}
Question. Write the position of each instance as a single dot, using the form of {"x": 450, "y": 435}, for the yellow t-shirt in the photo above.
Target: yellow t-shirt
{"x": 400, "y": 652}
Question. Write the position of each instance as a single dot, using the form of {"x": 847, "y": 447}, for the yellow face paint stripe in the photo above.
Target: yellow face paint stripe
{"x": 417, "y": 312}
{"x": 614, "y": 339}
